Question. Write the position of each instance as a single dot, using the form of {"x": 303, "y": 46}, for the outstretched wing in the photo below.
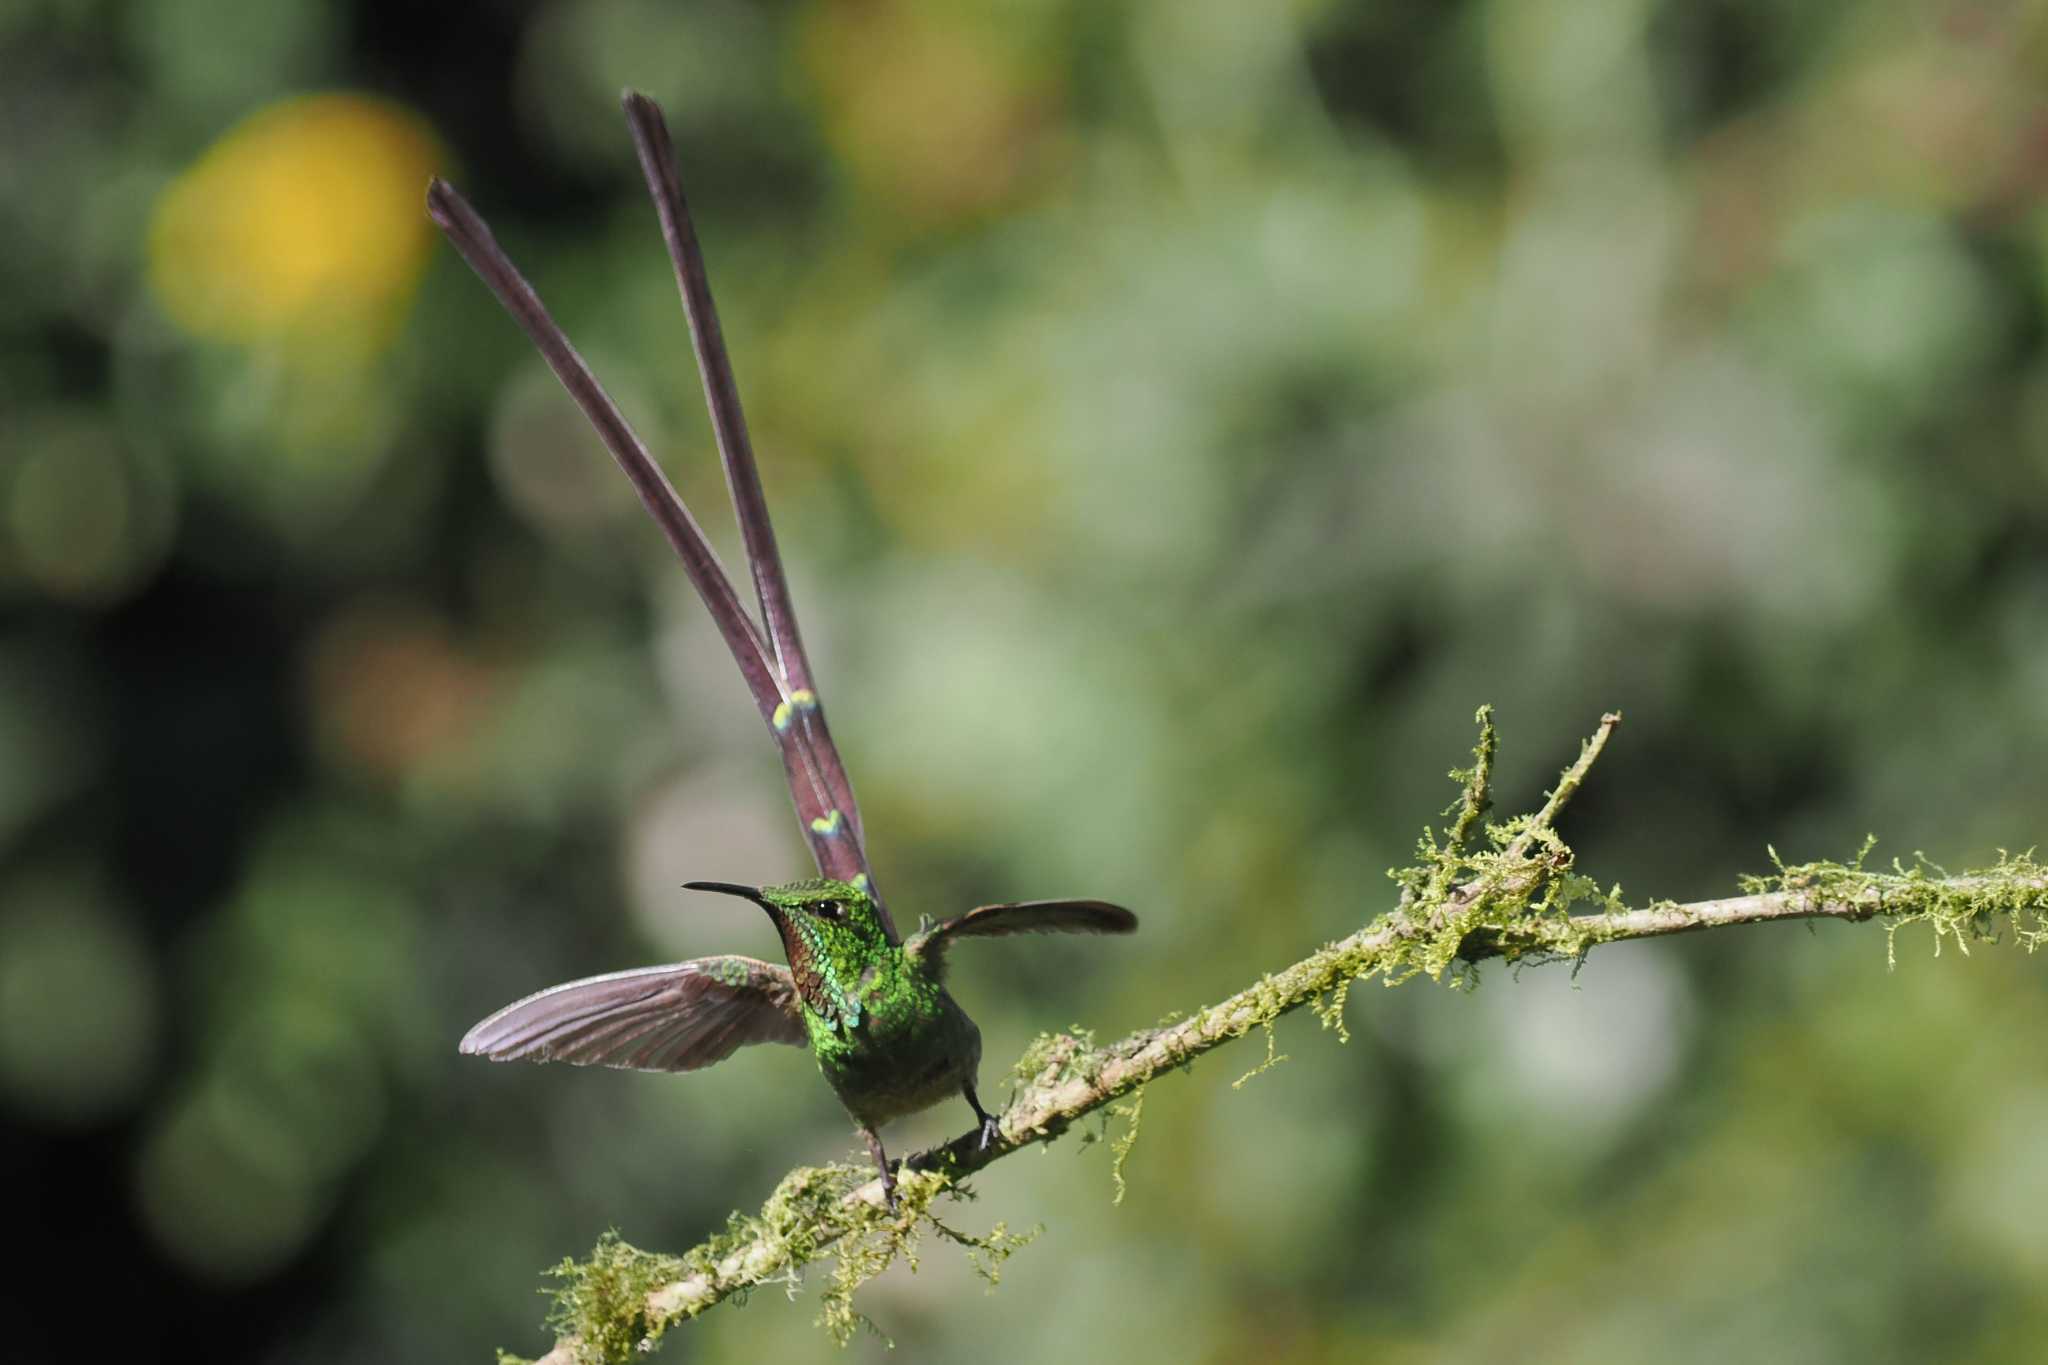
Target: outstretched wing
{"x": 676, "y": 1018}
{"x": 1025, "y": 917}
{"x": 775, "y": 668}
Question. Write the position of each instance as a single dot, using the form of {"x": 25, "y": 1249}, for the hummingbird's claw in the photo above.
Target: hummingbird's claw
{"x": 991, "y": 1126}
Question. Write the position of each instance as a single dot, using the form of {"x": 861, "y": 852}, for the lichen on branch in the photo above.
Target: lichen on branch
{"x": 1480, "y": 890}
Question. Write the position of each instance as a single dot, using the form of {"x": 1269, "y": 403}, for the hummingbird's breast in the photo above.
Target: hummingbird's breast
{"x": 910, "y": 1047}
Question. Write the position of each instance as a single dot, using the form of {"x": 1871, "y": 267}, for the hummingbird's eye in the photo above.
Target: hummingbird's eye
{"x": 829, "y": 909}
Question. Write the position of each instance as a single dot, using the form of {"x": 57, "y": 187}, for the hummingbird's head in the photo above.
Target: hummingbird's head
{"x": 843, "y": 908}
{"x": 831, "y": 930}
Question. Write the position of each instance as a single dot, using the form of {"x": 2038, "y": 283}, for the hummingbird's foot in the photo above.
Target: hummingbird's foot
{"x": 991, "y": 1126}
{"x": 881, "y": 1160}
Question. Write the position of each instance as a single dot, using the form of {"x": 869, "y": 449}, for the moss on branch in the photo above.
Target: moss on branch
{"x": 1481, "y": 890}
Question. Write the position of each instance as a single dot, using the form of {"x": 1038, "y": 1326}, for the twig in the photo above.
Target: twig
{"x": 1476, "y": 799}
{"x": 1567, "y": 787}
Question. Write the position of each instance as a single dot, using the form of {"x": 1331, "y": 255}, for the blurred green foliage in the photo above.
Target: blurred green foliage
{"x": 1179, "y": 416}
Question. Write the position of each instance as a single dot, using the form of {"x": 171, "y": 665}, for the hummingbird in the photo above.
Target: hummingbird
{"x": 870, "y": 1004}
{"x": 888, "y": 1037}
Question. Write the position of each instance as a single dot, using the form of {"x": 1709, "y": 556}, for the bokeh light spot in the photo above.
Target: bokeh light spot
{"x": 84, "y": 516}
{"x": 549, "y": 466}
{"x": 302, "y": 224}
{"x": 298, "y": 1076}
{"x": 389, "y": 689}
{"x": 78, "y": 1004}
{"x": 940, "y": 120}
{"x": 227, "y": 1205}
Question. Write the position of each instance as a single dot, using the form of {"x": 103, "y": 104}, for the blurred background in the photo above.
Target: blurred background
{"x": 1179, "y": 417}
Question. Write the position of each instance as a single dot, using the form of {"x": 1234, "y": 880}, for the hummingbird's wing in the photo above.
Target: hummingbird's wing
{"x": 1025, "y": 917}
{"x": 775, "y": 669}
{"x": 676, "y": 1018}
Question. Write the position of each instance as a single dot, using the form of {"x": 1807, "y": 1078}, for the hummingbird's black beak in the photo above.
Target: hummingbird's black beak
{"x": 747, "y": 893}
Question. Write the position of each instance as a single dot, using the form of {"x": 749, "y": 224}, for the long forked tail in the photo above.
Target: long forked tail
{"x": 775, "y": 669}
{"x": 735, "y": 450}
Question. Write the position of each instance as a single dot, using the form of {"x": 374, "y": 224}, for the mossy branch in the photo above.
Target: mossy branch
{"x": 1514, "y": 896}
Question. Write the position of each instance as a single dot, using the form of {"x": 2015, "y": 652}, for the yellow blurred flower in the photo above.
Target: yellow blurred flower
{"x": 302, "y": 225}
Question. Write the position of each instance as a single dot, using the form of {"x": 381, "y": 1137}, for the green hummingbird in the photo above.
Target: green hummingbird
{"x": 875, "y": 1013}
{"x": 871, "y": 1005}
